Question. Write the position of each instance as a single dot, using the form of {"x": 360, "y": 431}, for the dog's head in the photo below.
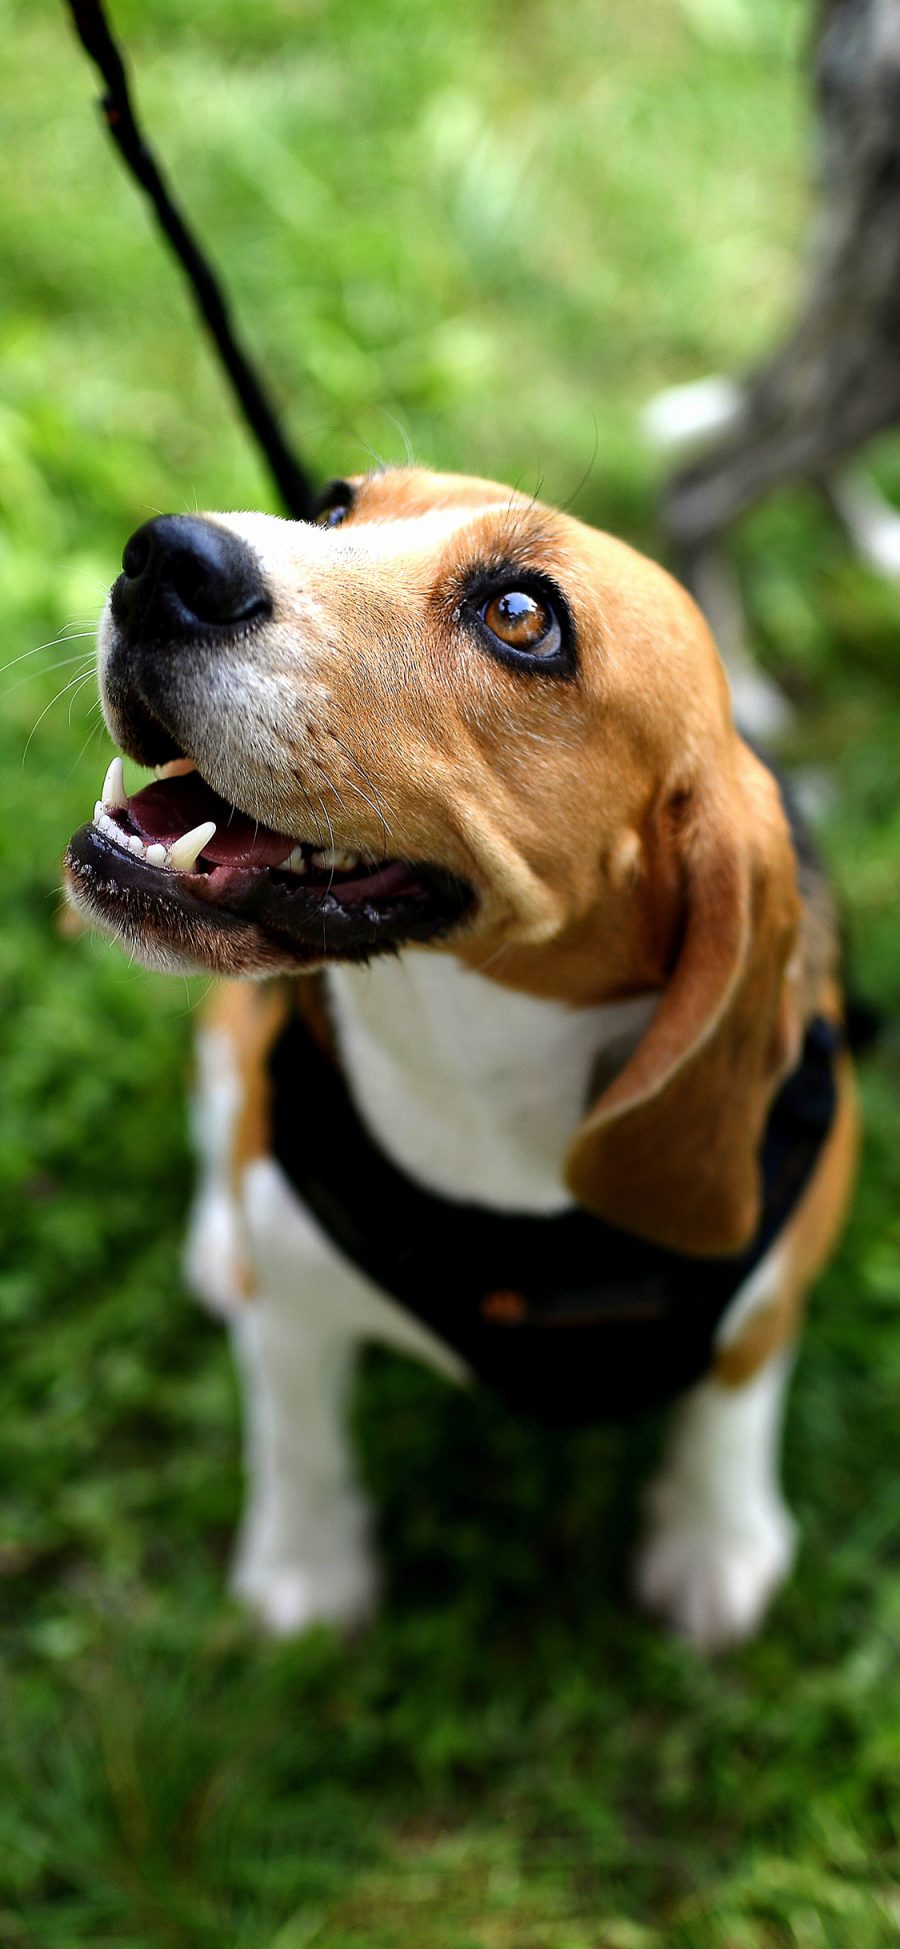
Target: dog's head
{"x": 446, "y": 714}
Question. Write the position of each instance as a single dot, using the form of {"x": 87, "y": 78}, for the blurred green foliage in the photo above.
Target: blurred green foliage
{"x": 489, "y": 231}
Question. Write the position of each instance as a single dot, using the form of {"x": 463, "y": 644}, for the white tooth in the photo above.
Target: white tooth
{"x": 186, "y": 850}
{"x": 98, "y": 812}
{"x": 106, "y": 825}
{"x": 176, "y": 768}
{"x": 335, "y": 861}
{"x": 296, "y": 861}
{"x": 156, "y": 855}
{"x": 135, "y": 845}
{"x": 114, "y": 792}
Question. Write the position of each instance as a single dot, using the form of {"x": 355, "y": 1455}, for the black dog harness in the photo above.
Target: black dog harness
{"x": 565, "y": 1317}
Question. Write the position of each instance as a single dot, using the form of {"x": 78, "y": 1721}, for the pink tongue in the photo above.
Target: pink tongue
{"x": 174, "y": 805}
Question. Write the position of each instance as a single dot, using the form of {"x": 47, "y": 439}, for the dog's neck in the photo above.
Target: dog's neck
{"x": 471, "y": 1088}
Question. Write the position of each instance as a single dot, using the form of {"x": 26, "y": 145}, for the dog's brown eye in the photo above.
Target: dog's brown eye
{"x": 523, "y": 622}
{"x": 333, "y": 516}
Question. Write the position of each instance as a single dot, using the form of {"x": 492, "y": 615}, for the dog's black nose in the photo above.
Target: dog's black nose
{"x": 182, "y": 575}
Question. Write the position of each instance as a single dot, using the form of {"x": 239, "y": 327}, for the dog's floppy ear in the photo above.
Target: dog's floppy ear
{"x": 670, "y": 1150}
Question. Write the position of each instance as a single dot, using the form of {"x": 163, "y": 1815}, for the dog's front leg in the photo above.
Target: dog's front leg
{"x": 293, "y": 1308}
{"x": 294, "y": 1311}
{"x": 303, "y": 1553}
{"x": 720, "y": 1539}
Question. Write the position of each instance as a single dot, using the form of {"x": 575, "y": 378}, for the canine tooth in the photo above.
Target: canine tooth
{"x": 156, "y": 854}
{"x": 336, "y": 860}
{"x": 186, "y": 850}
{"x": 176, "y": 768}
{"x": 114, "y": 792}
{"x": 296, "y": 860}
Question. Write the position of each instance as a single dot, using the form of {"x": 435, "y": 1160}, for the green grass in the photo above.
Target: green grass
{"x": 494, "y": 230}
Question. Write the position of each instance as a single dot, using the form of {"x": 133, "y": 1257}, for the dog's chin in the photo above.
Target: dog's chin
{"x": 252, "y": 902}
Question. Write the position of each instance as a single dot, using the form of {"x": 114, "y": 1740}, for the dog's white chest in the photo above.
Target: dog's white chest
{"x": 473, "y": 1089}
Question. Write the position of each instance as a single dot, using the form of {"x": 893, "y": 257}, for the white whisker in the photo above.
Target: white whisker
{"x": 48, "y": 707}
{"x": 84, "y": 657}
{"x": 56, "y": 642}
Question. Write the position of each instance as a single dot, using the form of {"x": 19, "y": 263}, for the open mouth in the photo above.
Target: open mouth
{"x": 186, "y": 879}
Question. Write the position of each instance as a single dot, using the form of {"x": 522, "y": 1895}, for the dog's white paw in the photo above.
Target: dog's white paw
{"x": 287, "y": 1598}
{"x": 711, "y": 1582}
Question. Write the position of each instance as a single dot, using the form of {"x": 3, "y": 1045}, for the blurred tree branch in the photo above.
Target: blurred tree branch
{"x": 835, "y": 381}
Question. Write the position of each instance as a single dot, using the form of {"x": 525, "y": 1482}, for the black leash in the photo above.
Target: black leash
{"x": 291, "y": 479}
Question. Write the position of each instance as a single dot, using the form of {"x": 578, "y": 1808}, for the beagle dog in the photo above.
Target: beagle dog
{"x": 535, "y": 1064}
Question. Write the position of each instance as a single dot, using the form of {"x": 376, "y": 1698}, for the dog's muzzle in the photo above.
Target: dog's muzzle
{"x": 185, "y": 876}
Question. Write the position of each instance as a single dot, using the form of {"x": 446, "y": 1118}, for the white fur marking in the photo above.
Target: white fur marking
{"x": 279, "y": 545}
{"x": 473, "y": 1089}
